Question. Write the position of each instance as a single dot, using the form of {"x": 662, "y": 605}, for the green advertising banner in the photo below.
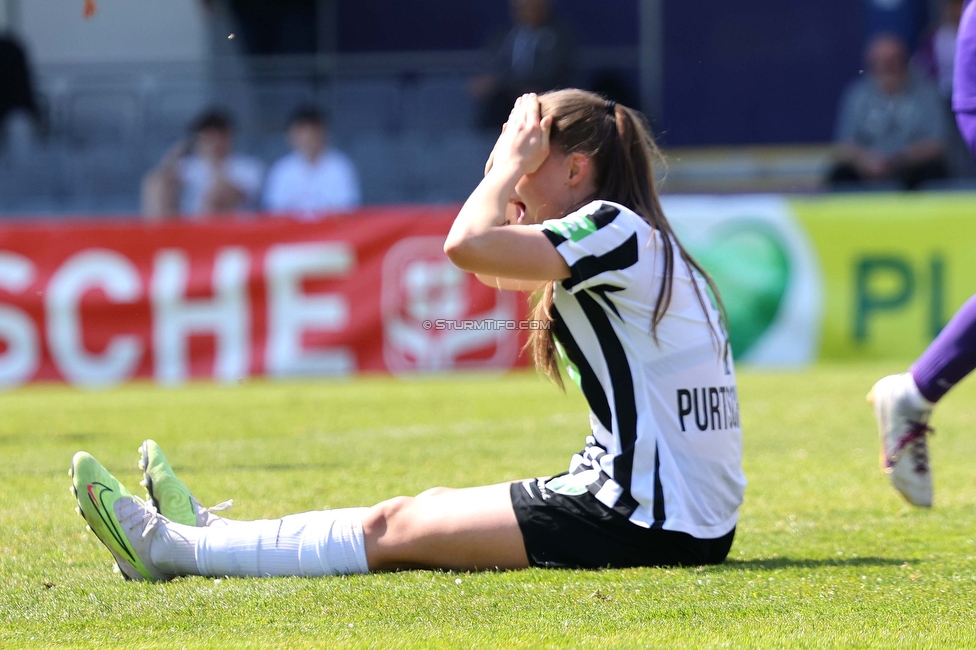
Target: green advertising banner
{"x": 766, "y": 270}
{"x": 895, "y": 268}
{"x": 839, "y": 277}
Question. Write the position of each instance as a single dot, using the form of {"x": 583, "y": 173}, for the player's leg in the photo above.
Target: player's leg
{"x": 394, "y": 524}
{"x": 397, "y": 523}
{"x": 903, "y": 403}
{"x": 465, "y": 529}
{"x": 950, "y": 357}
{"x": 147, "y": 546}
{"x": 469, "y": 528}
{"x": 174, "y": 500}
{"x": 393, "y": 527}
{"x": 309, "y": 544}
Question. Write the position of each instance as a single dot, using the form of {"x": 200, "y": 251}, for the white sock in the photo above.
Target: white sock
{"x": 310, "y": 544}
{"x": 914, "y": 395}
{"x": 174, "y": 549}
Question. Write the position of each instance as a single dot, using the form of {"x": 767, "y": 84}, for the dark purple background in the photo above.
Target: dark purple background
{"x": 743, "y": 72}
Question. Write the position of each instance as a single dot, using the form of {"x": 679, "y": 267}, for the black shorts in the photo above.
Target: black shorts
{"x": 579, "y": 532}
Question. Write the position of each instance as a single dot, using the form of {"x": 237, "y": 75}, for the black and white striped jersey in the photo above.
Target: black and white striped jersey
{"x": 666, "y": 443}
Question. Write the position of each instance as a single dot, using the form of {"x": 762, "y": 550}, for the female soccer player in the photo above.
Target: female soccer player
{"x": 903, "y": 403}
{"x": 568, "y": 203}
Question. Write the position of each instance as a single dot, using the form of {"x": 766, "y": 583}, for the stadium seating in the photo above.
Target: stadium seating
{"x": 104, "y": 117}
{"x": 105, "y": 179}
{"x": 174, "y": 107}
{"x": 34, "y": 182}
{"x": 439, "y": 103}
{"x": 409, "y": 130}
{"x": 454, "y": 163}
{"x": 275, "y": 101}
{"x": 393, "y": 172}
{"x": 365, "y": 106}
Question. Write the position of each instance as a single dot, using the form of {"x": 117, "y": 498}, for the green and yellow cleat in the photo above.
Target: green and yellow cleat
{"x": 171, "y": 497}
{"x": 122, "y": 522}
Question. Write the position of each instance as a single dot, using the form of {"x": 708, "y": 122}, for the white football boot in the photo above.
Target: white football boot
{"x": 904, "y": 430}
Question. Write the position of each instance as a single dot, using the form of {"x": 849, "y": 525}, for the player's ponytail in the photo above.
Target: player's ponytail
{"x": 619, "y": 143}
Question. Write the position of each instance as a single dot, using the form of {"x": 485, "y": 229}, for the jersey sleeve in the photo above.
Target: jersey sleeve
{"x": 600, "y": 244}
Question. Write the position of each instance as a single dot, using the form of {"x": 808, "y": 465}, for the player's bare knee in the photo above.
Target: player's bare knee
{"x": 384, "y": 516}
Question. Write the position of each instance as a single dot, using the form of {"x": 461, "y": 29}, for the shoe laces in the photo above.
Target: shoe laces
{"x": 144, "y": 515}
{"x": 915, "y": 441}
{"x": 220, "y": 507}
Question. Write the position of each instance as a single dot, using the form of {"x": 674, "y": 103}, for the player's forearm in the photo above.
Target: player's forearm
{"x": 484, "y": 210}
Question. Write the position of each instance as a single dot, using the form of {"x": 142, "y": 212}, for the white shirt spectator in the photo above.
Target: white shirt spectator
{"x": 329, "y": 184}
{"x": 197, "y": 176}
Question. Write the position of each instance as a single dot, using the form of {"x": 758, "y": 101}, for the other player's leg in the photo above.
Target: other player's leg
{"x": 950, "y": 357}
{"x": 903, "y": 403}
{"x": 903, "y": 415}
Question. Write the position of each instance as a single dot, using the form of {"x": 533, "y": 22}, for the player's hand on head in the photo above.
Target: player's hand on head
{"x": 524, "y": 142}
{"x": 491, "y": 156}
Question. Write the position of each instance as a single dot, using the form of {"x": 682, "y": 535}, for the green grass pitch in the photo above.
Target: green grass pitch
{"x": 826, "y": 553}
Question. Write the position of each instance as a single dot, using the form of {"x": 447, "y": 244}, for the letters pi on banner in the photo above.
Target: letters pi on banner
{"x": 103, "y": 303}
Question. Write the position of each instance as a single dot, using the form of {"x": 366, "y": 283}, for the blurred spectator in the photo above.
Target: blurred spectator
{"x": 891, "y": 125}
{"x": 536, "y": 55}
{"x": 315, "y": 177}
{"x": 204, "y": 177}
{"x": 16, "y": 89}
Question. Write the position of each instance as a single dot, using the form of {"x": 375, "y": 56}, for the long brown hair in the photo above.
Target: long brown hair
{"x": 621, "y": 149}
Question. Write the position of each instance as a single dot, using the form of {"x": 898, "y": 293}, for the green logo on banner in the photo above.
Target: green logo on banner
{"x": 751, "y": 268}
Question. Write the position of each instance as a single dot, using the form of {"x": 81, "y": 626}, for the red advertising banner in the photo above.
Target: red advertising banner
{"x": 102, "y": 303}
